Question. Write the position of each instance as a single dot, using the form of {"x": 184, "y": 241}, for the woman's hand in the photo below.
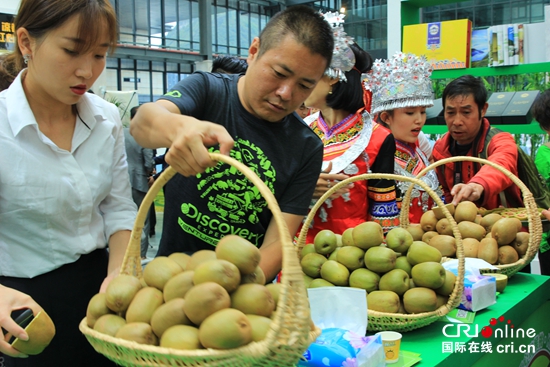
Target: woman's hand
{"x": 108, "y": 279}
{"x": 13, "y": 300}
{"x": 327, "y": 180}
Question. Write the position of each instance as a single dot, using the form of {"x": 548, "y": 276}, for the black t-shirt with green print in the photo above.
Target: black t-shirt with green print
{"x": 287, "y": 157}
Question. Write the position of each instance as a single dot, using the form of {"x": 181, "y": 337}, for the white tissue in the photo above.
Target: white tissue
{"x": 339, "y": 307}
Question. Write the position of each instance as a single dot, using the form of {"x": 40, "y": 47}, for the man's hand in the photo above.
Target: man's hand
{"x": 327, "y": 180}
{"x": 189, "y": 154}
{"x": 161, "y": 124}
{"x": 463, "y": 192}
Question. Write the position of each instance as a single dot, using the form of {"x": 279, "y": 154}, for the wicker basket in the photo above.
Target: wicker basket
{"x": 290, "y": 333}
{"x": 380, "y": 321}
{"x": 534, "y": 221}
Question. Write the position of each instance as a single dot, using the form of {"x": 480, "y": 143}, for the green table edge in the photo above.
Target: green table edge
{"x": 524, "y": 294}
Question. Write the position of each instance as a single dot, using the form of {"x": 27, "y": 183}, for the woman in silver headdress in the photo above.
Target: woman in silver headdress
{"x": 353, "y": 143}
{"x": 401, "y": 92}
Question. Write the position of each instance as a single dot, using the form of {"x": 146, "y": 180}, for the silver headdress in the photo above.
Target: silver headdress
{"x": 402, "y": 81}
{"x": 343, "y": 58}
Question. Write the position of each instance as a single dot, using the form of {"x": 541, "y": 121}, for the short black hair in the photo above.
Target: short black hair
{"x": 348, "y": 96}
{"x": 133, "y": 111}
{"x": 541, "y": 110}
{"x": 306, "y": 25}
{"x": 229, "y": 65}
{"x": 464, "y": 86}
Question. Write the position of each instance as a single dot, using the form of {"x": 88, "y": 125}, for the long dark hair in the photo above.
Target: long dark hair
{"x": 39, "y": 17}
{"x": 348, "y": 96}
{"x": 541, "y": 110}
{"x": 229, "y": 65}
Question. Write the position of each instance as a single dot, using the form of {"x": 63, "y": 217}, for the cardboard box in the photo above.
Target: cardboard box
{"x": 498, "y": 101}
{"x": 446, "y": 44}
{"x": 433, "y": 112}
{"x": 518, "y": 110}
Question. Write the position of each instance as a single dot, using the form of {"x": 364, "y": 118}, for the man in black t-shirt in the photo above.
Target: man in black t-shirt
{"x": 251, "y": 118}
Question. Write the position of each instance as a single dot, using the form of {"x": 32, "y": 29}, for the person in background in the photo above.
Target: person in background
{"x": 541, "y": 113}
{"x": 159, "y": 160}
{"x": 353, "y": 143}
{"x": 6, "y": 76}
{"x": 229, "y": 65}
{"x": 252, "y": 120}
{"x": 152, "y": 210}
{"x": 464, "y": 106}
{"x": 302, "y": 111}
{"x": 69, "y": 198}
{"x": 140, "y": 169}
{"x": 401, "y": 91}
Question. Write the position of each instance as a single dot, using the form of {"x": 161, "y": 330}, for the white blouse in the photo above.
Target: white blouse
{"x": 56, "y": 205}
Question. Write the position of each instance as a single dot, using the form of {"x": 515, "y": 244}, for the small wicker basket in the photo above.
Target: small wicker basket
{"x": 380, "y": 321}
{"x": 290, "y": 333}
{"x": 534, "y": 221}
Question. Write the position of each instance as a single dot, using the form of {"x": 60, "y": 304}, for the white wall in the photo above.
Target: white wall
{"x": 9, "y": 6}
{"x": 394, "y": 27}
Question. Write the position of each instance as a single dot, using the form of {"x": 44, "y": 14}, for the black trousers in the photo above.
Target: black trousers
{"x": 544, "y": 261}
{"x": 152, "y": 220}
{"x": 64, "y": 294}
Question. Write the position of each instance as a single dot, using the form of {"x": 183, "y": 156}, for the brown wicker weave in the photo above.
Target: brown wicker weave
{"x": 290, "y": 332}
{"x": 379, "y": 321}
{"x": 534, "y": 221}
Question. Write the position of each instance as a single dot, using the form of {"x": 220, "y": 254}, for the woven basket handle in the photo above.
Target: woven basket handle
{"x": 441, "y": 162}
{"x": 404, "y": 216}
{"x": 293, "y": 291}
{"x": 131, "y": 263}
{"x": 533, "y": 216}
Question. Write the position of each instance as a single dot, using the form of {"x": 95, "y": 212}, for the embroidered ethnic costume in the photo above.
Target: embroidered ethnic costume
{"x": 409, "y": 161}
{"x": 354, "y": 147}
{"x": 400, "y": 82}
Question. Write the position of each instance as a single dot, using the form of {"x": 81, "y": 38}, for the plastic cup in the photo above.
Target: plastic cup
{"x": 391, "y": 340}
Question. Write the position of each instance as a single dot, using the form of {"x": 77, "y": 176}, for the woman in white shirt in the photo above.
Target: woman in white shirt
{"x": 64, "y": 188}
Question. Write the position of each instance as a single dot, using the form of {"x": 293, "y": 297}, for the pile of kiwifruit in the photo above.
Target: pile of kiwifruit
{"x": 399, "y": 274}
{"x": 496, "y": 239}
{"x": 211, "y": 299}
{"x": 519, "y": 213}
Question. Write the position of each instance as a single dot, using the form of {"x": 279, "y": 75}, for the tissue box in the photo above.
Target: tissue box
{"x": 479, "y": 292}
{"x": 342, "y": 348}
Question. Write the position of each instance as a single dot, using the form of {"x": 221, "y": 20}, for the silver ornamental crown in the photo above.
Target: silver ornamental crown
{"x": 343, "y": 58}
{"x": 402, "y": 81}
